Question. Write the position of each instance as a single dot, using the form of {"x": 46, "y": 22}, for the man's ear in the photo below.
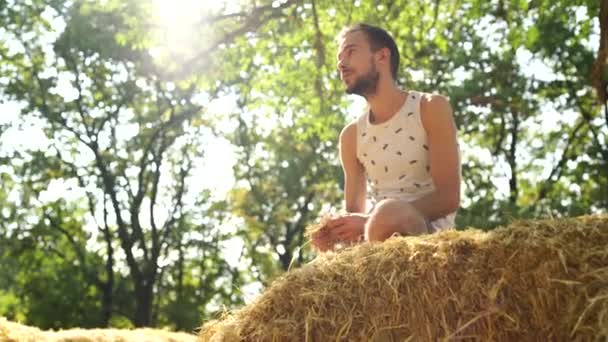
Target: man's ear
{"x": 384, "y": 55}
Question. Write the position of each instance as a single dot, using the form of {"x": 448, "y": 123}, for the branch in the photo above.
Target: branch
{"x": 221, "y": 17}
{"x": 82, "y": 184}
{"x": 153, "y": 197}
{"x": 502, "y": 134}
{"x": 74, "y": 68}
{"x": 596, "y": 139}
{"x": 160, "y": 133}
{"x": 76, "y": 247}
{"x": 46, "y": 111}
{"x": 511, "y": 158}
{"x": 320, "y": 61}
{"x": 106, "y": 229}
{"x": 319, "y": 47}
{"x": 599, "y": 66}
{"x": 435, "y": 14}
{"x": 181, "y": 188}
{"x": 254, "y": 20}
{"x": 69, "y": 236}
{"x": 588, "y": 119}
{"x": 165, "y": 143}
{"x": 109, "y": 248}
{"x": 557, "y": 169}
{"x": 98, "y": 125}
{"x": 126, "y": 239}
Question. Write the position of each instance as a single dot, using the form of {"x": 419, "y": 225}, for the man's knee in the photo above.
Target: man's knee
{"x": 394, "y": 216}
{"x": 386, "y": 212}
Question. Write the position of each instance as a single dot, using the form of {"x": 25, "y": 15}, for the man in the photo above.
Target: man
{"x": 404, "y": 144}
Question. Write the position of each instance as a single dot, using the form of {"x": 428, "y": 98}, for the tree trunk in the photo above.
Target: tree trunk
{"x": 143, "y": 305}
{"x": 180, "y": 281}
{"x": 107, "y": 287}
{"x": 106, "y": 304}
{"x": 285, "y": 258}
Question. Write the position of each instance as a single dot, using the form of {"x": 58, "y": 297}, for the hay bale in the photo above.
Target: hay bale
{"x": 532, "y": 280}
{"x": 15, "y": 332}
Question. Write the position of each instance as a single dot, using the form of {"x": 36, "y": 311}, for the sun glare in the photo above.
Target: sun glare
{"x": 177, "y": 21}
{"x": 180, "y": 13}
{"x": 181, "y": 24}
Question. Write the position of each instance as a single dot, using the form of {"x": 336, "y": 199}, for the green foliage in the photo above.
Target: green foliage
{"x": 121, "y": 322}
{"x": 10, "y": 307}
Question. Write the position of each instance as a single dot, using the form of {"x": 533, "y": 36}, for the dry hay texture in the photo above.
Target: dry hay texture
{"x": 15, "y": 332}
{"x": 530, "y": 281}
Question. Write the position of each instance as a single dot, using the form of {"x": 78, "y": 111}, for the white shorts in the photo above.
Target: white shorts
{"x": 443, "y": 223}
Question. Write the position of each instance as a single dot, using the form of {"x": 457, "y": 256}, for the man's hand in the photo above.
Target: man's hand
{"x": 348, "y": 228}
{"x": 323, "y": 240}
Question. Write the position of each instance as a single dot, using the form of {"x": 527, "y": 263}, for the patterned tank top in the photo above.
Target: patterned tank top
{"x": 394, "y": 155}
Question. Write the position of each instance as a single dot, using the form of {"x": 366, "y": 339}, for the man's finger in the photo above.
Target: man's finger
{"x": 320, "y": 233}
{"x": 333, "y": 223}
{"x": 345, "y": 233}
{"x": 340, "y": 230}
{"x": 353, "y": 238}
{"x": 320, "y": 244}
{"x": 323, "y": 244}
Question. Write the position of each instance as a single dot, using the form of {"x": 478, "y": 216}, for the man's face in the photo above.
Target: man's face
{"x": 357, "y": 65}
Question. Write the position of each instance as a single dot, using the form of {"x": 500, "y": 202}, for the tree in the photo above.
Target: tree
{"x": 126, "y": 137}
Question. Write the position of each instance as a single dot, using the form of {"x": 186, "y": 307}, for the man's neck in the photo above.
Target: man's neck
{"x": 385, "y": 102}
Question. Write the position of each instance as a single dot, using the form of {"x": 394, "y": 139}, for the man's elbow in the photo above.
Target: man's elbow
{"x": 452, "y": 201}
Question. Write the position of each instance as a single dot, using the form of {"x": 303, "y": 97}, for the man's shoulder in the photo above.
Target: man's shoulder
{"x": 349, "y": 131}
{"x": 433, "y": 99}
{"x": 434, "y": 108}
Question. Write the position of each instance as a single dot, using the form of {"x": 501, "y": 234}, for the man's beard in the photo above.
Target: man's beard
{"x": 366, "y": 84}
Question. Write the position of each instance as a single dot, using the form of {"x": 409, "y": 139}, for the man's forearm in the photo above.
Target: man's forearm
{"x": 436, "y": 204}
{"x": 354, "y": 198}
{"x": 355, "y": 208}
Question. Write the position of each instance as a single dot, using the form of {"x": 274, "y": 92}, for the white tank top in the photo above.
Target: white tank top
{"x": 394, "y": 155}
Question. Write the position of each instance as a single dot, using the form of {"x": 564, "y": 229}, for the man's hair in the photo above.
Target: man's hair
{"x": 378, "y": 39}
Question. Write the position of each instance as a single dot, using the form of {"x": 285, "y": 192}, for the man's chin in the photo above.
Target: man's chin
{"x": 353, "y": 91}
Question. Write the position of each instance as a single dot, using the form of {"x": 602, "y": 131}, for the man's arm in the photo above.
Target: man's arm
{"x": 444, "y": 159}
{"x": 354, "y": 175}
{"x": 348, "y": 227}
